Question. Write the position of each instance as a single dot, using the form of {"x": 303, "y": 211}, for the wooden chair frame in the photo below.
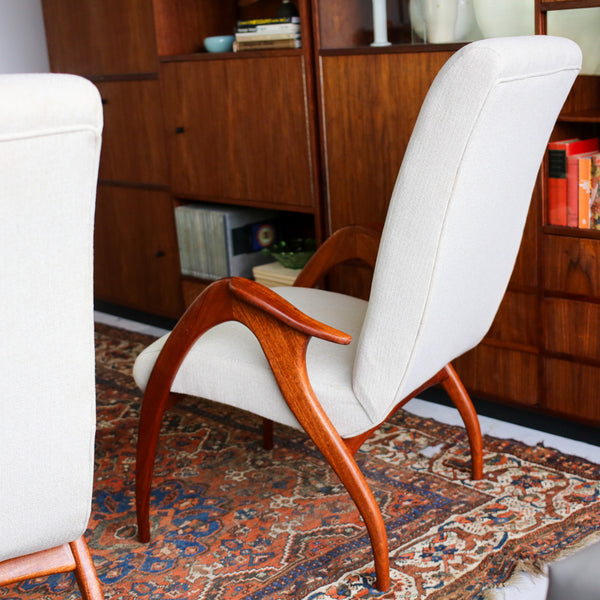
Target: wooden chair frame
{"x": 283, "y": 333}
{"x": 62, "y": 559}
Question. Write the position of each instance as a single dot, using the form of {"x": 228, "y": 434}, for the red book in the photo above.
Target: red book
{"x": 557, "y": 176}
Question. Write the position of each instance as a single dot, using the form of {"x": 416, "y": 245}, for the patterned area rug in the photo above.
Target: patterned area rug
{"x": 232, "y": 521}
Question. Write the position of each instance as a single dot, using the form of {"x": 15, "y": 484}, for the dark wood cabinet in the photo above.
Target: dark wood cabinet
{"x": 239, "y": 130}
{"x": 133, "y": 148}
{"x": 136, "y": 258}
{"x": 96, "y": 37}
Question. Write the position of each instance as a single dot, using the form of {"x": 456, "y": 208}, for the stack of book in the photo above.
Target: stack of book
{"x": 268, "y": 34}
{"x": 573, "y": 176}
{"x": 218, "y": 241}
{"x": 275, "y": 274}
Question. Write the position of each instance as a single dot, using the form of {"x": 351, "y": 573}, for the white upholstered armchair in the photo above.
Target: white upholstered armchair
{"x": 50, "y": 132}
{"x": 338, "y": 366}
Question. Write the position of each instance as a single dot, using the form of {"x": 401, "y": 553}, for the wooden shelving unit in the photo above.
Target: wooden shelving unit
{"x": 319, "y": 134}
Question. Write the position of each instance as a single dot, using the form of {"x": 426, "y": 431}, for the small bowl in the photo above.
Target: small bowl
{"x": 219, "y": 43}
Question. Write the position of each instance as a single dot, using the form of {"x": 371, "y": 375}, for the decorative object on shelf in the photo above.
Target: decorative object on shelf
{"x": 380, "y": 23}
{"x": 581, "y": 25}
{"x": 441, "y": 21}
{"x": 293, "y": 254}
{"x": 466, "y": 26}
{"x": 219, "y": 43}
{"x": 505, "y": 18}
{"x": 516, "y": 17}
{"x": 287, "y": 9}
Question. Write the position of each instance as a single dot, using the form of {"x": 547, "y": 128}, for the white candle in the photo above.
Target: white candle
{"x": 380, "y": 23}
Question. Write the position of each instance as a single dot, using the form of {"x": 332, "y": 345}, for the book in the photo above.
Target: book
{"x": 557, "y": 175}
{"x": 272, "y": 21}
{"x": 588, "y": 191}
{"x": 273, "y": 28}
{"x": 595, "y": 192}
{"x": 573, "y": 182}
{"x": 262, "y": 37}
{"x": 240, "y": 46}
{"x": 583, "y": 189}
{"x": 220, "y": 241}
{"x": 274, "y": 274}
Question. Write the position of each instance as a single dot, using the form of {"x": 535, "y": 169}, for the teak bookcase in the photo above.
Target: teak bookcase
{"x": 317, "y": 133}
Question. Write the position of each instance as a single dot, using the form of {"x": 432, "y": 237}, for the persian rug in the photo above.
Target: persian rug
{"x": 232, "y": 521}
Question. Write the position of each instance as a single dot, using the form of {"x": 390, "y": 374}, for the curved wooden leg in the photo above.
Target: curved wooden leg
{"x": 153, "y": 407}
{"x": 85, "y": 572}
{"x": 157, "y": 398}
{"x": 289, "y": 369}
{"x": 460, "y": 397}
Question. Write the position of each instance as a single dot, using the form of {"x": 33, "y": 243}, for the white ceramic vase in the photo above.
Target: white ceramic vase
{"x": 516, "y": 17}
{"x": 582, "y": 26}
{"x": 465, "y": 27}
{"x": 498, "y": 18}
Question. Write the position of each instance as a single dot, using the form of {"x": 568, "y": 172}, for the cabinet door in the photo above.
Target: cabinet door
{"x": 133, "y": 138}
{"x": 370, "y": 104}
{"x": 238, "y": 129}
{"x": 93, "y": 37}
{"x": 136, "y": 257}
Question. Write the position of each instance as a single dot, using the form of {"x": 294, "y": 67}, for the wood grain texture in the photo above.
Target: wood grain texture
{"x": 572, "y": 265}
{"x": 572, "y": 390}
{"x": 182, "y": 26}
{"x": 572, "y": 327}
{"x": 500, "y": 373}
{"x": 133, "y": 145}
{"x": 246, "y": 131}
{"x": 369, "y": 107}
{"x": 517, "y": 320}
{"x": 136, "y": 259}
{"x": 91, "y": 37}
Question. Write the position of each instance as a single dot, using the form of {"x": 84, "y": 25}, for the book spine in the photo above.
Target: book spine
{"x": 282, "y": 28}
{"x": 573, "y": 190}
{"x": 274, "y": 21}
{"x": 584, "y": 181}
{"x": 557, "y": 187}
{"x": 266, "y": 45}
{"x": 263, "y": 37}
{"x": 595, "y": 192}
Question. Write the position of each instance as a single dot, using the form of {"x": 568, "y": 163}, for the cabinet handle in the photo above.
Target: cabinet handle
{"x": 104, "y": 101}
{"x": 160, "y": 254}
{"x": 179, "y": 129}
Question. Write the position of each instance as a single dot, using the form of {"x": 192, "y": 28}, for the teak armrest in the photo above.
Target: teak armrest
{"x": 352, "y": 242}
{"x": 269, "y": 302}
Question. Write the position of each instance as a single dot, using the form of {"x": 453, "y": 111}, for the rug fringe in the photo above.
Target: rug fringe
{"x": 524, "y": 571}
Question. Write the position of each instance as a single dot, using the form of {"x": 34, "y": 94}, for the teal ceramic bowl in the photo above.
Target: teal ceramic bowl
{"x": 219, "y": 43}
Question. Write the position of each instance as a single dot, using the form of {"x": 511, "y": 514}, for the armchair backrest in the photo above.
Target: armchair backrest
{"x": 50, "y": 128}
{"x": 458, "y": 210}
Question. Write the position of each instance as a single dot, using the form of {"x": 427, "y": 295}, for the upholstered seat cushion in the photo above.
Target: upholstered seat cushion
{"x": 227, "y": 365}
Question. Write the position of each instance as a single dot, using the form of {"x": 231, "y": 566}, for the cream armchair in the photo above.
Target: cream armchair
{"x": 50, "y": 128}
{"x": 337, "y": 366}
